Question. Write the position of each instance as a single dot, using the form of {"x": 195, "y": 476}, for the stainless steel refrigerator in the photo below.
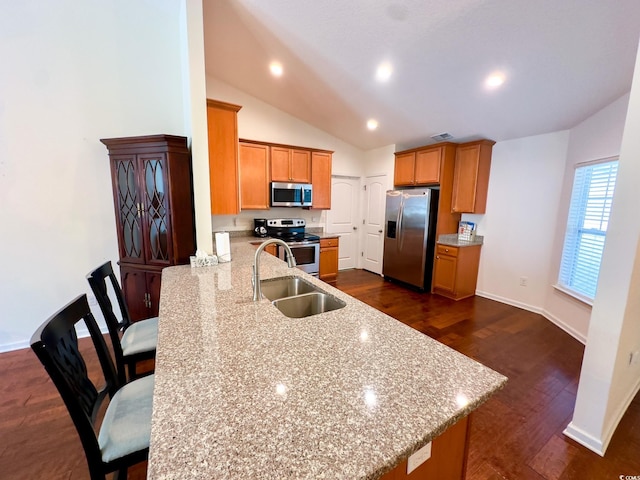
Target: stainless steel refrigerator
{"x": 409, "y": 240}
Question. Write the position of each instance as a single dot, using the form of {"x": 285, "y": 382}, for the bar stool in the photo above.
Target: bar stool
{"x": 139, "y": 339}
{"x": 125, "y": 430}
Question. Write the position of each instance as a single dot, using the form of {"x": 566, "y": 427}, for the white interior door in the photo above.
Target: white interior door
{"x": 374, "y": 194}
{"x": 343, "y": 219}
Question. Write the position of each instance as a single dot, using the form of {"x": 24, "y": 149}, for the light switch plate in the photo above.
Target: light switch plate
{"x": 418, "y": 458}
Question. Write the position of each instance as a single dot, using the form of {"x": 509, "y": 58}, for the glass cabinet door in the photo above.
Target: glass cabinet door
{"x": 129, "y": 209}
{"x": 155, "y": 218}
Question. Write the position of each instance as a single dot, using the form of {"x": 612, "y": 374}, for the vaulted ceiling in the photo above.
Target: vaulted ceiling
{"x": 562, "y": 61}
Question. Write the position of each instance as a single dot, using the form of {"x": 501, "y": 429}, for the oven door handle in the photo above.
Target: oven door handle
{"x": 301, "y": 243}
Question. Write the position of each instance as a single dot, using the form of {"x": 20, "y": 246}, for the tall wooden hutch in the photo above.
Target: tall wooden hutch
{"x": 153, "y": 200}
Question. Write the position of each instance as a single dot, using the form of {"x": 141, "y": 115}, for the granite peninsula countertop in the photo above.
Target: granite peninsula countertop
{"x": 243, "y": 392}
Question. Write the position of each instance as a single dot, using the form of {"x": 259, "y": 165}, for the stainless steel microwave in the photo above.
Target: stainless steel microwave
{"x": 291, "y": 194}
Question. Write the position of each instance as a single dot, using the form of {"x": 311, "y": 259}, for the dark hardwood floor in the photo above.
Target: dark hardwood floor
{"x": 517, "y": 435}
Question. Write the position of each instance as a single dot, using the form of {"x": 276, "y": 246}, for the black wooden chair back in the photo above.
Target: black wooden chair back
{"x": 56, "y": 345}
{"x": 98, "y": 282}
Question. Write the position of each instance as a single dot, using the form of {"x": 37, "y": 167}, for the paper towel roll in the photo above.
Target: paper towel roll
{"x": 223, "y": 247}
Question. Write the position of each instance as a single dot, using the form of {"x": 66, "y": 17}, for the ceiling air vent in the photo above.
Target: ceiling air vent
{"x": 441, "y": 137}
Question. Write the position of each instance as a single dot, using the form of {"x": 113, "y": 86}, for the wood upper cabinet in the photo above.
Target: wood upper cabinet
{"x": 428, "y": 166}
{"x": 455, "y": 273}
{"x": 404, "y": 170}
{"x": 419, "y": 166}
{"x": 254, "y": 176}
{"x": 223, "y": 157}
{"x": 321, "y": 179}
{"x": 153, "y": 201}
{"x": 290, "y": 165}
{"x": 471, "y": 177}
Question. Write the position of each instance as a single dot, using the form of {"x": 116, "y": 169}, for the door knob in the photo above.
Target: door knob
{"x": 379, "y": 231}
{"x": 355, "y": 228}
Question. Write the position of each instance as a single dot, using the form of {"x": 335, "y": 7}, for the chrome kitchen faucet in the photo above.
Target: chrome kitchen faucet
{"x": 255, "y": 278}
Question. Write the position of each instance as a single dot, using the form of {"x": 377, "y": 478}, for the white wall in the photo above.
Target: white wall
{"x": 195, "y": 98}
{"x": 380, "y": 161}
{"x": 609, "y": 380}
{"x": 527, "y": 205}
{"x": 518, "y": 228}
{"x": 260, "y": 121}
{"x": 599, "y": 136}
{"x": 73, "y": 71}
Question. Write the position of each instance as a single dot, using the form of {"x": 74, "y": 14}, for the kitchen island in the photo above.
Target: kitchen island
{"x": 244, "y": 392}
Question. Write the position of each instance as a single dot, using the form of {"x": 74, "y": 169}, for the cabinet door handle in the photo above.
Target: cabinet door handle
{"x": 379, "y": 231}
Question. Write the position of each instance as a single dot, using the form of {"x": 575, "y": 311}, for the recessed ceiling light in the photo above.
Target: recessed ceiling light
{"x": 494, "y": 80}
{"x": 383, "y": 72}
{"x": 276, "y": 69}
{"x": 372, "y": 124}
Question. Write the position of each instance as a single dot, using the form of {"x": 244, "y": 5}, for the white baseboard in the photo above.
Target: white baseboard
{"x": 530, "y": 308}
{"x": 508, "y": 301}
{"x": 567, "y": 328}
{"x": 584, "y": 439}
{"x": 617, "y": 418}
{"x": 10, "y": 347}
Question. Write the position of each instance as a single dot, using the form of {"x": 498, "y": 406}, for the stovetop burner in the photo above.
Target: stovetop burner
{"x": 296, "y": 237}
{"x": 290, "y": 230}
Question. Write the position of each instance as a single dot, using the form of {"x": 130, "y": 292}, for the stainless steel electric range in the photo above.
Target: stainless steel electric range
{"x": 305, "y": 246}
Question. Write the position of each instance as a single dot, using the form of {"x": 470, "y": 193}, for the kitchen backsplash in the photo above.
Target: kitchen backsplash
{"x": 244, "y": 220}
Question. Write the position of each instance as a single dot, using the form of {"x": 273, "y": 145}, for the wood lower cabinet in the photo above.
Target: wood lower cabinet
{"x": 455, "y": 272}
{"x": 141, "y": 288}
{"x": 272, "y": 249}
{"x": 471, "y": 177}
{"x": 448, "y": 459}
{"x": 254, "y": 176}
{"x": 222, "y": 128}
{"x": 329, "y": 248}
{"x": 153, "y": 201}
{"x": 290, "y": 165}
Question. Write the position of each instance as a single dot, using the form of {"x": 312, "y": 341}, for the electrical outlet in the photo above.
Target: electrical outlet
{"x": 634, "y": 358}
{"x": 418, "y": 458}
{"x": 523, "y": 281}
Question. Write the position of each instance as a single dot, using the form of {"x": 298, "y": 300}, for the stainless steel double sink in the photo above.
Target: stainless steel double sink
{"x": 297, "y": 298}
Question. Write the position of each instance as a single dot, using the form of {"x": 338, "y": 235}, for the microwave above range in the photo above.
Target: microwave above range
{"x": 291, "y": 194}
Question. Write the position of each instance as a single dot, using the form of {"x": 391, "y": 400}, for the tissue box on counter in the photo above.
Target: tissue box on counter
{"x": 201, "y": 259}
{"x": 466, "y": 231}
{"x": 223, "y": 246}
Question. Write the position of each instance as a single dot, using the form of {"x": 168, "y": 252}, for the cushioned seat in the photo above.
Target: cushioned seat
{"x": 126, "y": 426}
{"x": 139, "y": 339}
{"x": 125, "y": 430}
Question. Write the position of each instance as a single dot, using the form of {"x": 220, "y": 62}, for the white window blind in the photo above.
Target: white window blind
{"x": 593, "y": 187}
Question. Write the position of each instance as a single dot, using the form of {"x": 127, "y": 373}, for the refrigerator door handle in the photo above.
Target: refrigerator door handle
{"x": 400, "y": 231}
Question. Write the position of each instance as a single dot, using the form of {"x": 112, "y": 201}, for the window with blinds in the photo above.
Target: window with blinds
{"x": 593, "y": 187}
